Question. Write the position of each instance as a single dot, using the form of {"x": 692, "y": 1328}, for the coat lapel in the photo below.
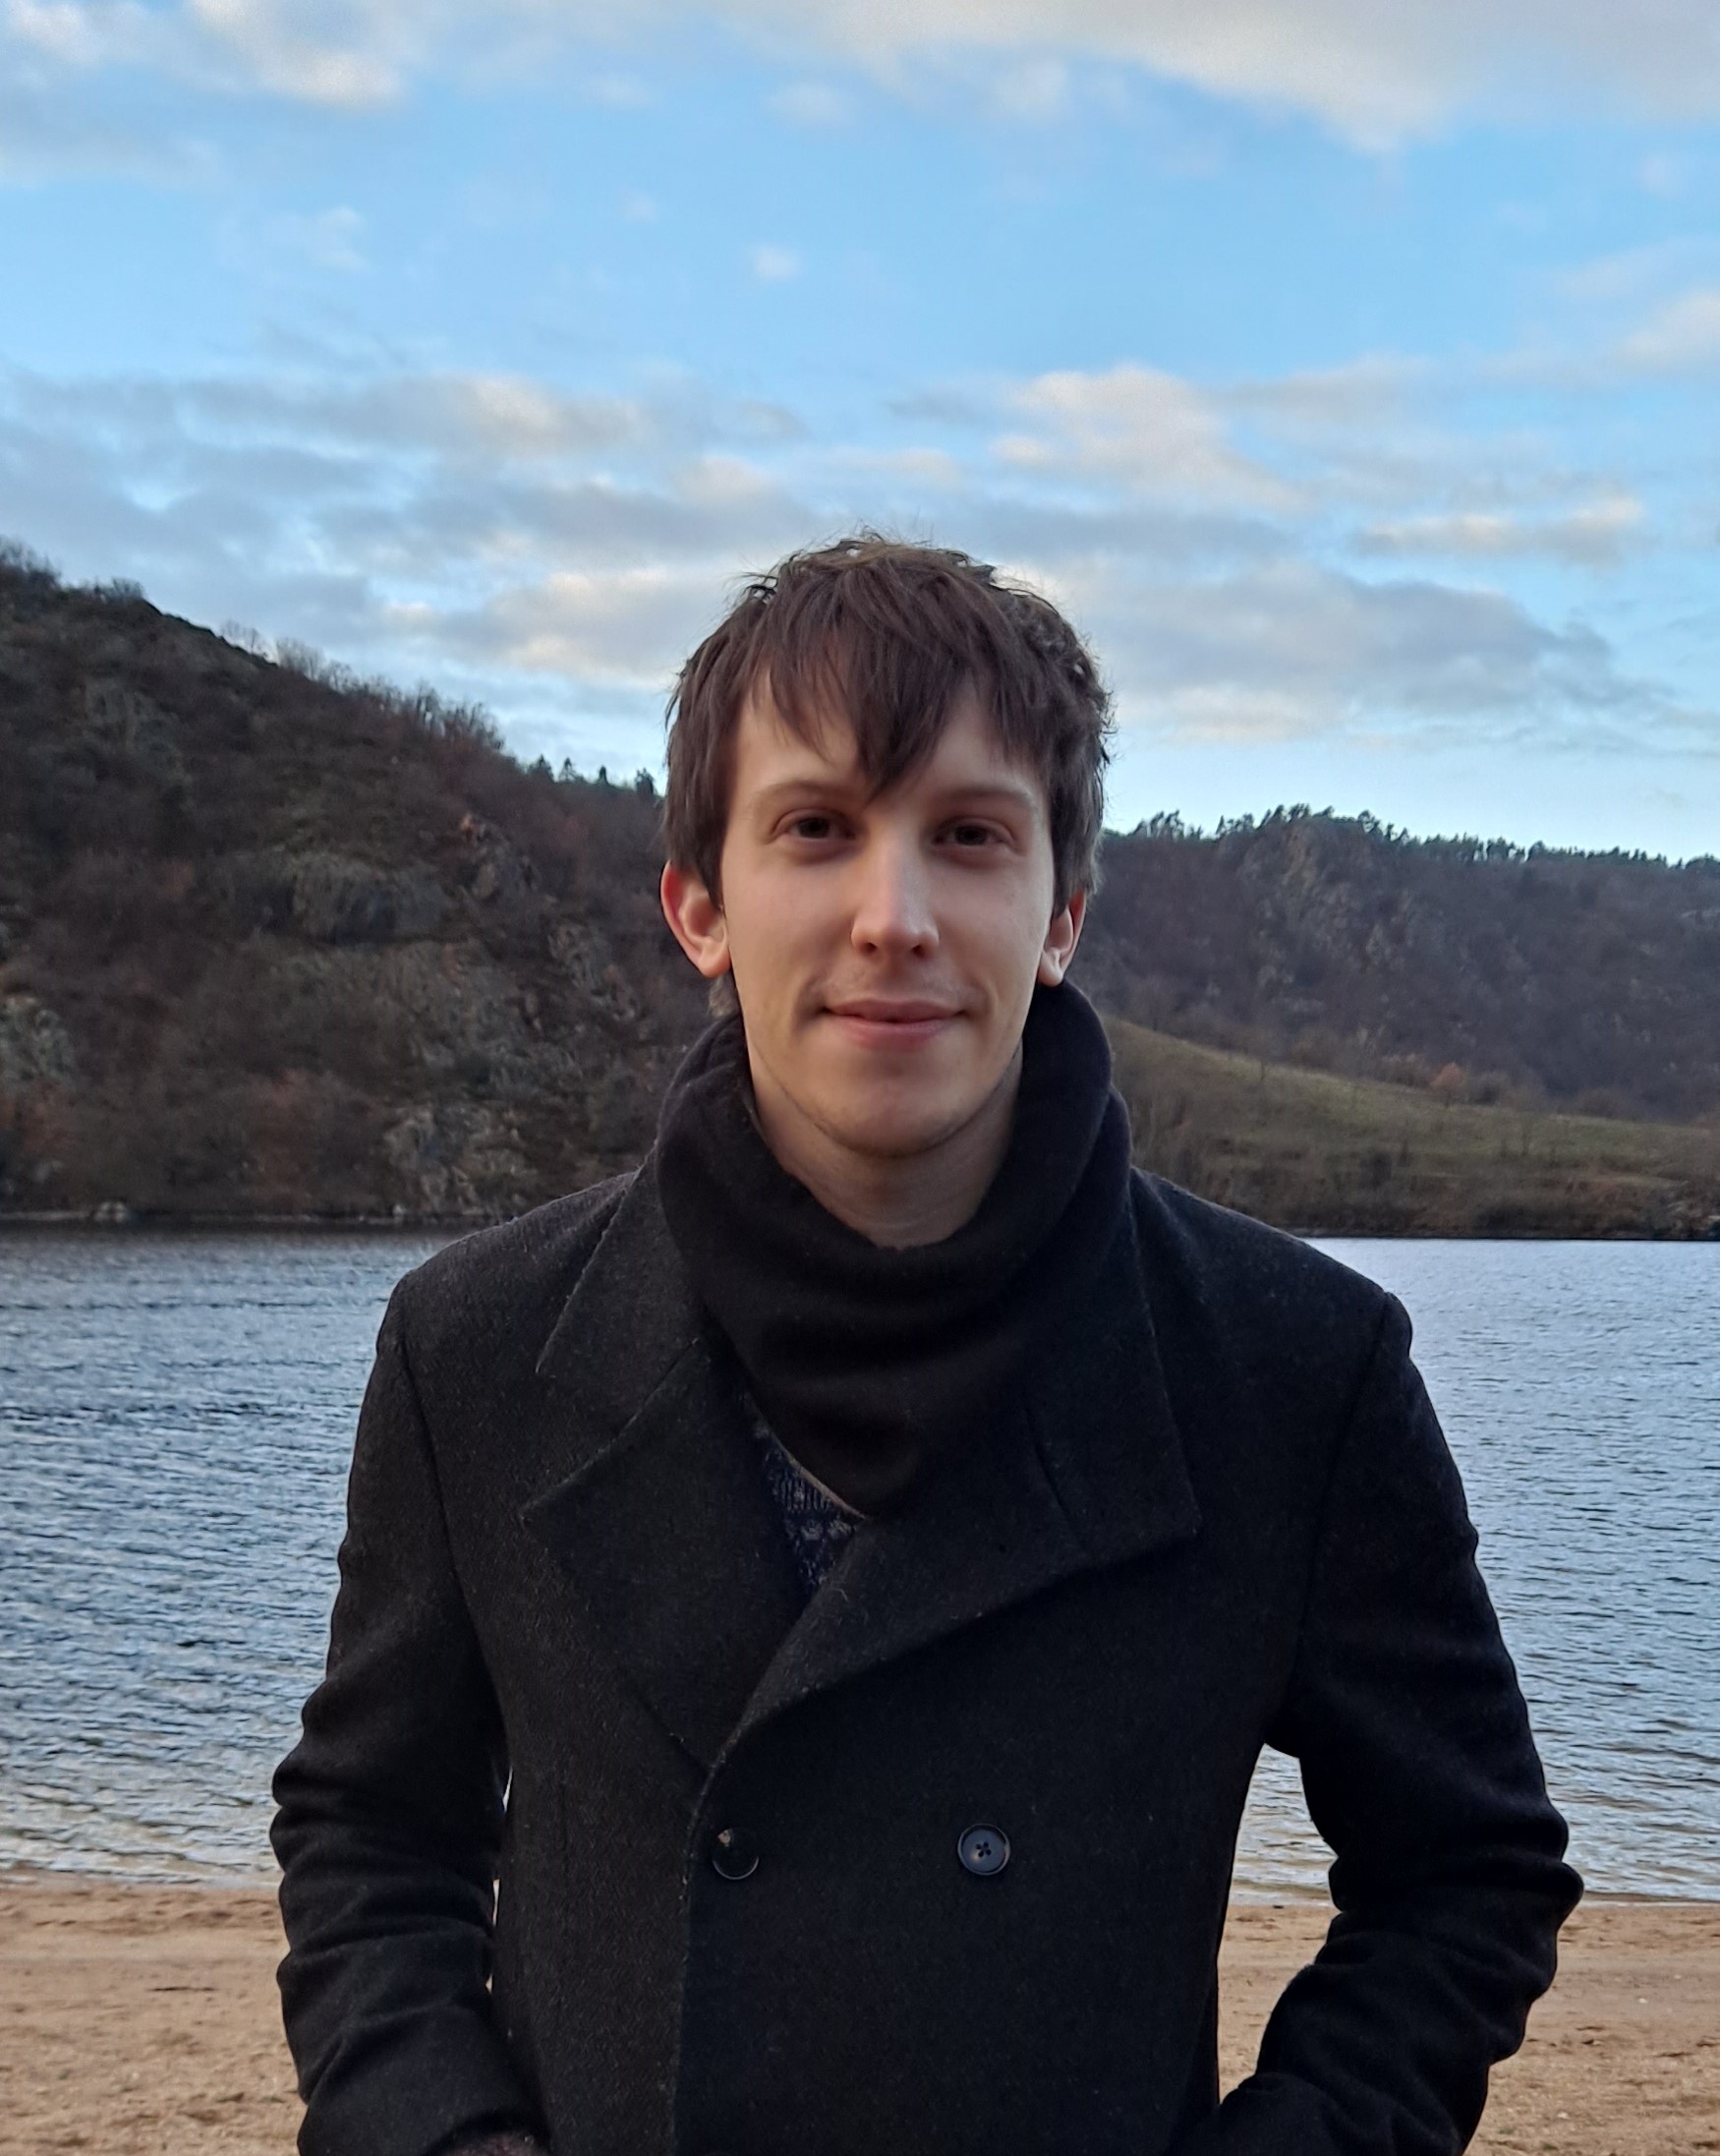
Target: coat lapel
{"x": 668, "y": 1532}
{"x": 665, "y": 1525}
{"x": 1085, "y": 1472}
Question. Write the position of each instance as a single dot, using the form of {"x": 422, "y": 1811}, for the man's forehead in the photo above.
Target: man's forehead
{"x": 966, "y": 749}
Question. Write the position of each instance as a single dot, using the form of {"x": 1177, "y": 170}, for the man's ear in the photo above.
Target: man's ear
{"x": 1060, "y": 939}
{"x": 695, "y": 920}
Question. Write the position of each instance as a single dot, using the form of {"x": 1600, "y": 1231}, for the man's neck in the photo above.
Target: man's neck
{"x": 895, "y": 1200}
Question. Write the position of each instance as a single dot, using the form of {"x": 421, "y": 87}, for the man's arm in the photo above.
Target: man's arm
{"x": 1421, "y": 1772}
{"x": 389, "y": 1824}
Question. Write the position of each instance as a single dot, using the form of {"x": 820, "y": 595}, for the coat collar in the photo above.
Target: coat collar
{"x": 661, "y": 1518}
{"x": 657, "y": 1507}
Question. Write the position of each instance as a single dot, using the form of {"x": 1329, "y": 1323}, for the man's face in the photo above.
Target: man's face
{"x": 885, "y": 951}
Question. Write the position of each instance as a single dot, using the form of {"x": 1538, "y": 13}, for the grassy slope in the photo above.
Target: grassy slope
{"x": 1310, "y": 1150}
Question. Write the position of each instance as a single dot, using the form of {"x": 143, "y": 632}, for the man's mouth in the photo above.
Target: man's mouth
{"x": 889, "y": 1022}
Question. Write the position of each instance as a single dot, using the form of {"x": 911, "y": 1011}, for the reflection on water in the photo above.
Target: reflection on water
{"x": 176, "y": 1417}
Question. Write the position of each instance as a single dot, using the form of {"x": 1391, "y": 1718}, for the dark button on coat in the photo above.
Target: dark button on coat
{"x": 569, "y": 1647}
{"x": 983, "y": 1851}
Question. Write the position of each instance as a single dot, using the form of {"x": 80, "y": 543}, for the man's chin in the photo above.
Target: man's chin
{"x": 902, "y": 1135}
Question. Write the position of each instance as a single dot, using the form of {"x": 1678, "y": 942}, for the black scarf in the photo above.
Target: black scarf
{"x": 872, "y": 1364}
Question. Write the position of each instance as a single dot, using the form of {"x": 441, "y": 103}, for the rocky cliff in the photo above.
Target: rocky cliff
{"x": 272, "y": 944}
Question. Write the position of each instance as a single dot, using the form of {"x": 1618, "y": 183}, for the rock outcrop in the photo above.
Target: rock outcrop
{"x": 276, "y": 943}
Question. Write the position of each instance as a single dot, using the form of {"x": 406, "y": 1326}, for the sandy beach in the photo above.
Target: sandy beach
{"x": 142, "y": 2021}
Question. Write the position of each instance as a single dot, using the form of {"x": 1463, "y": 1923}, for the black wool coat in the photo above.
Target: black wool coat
{"x": 569, "y": 1653}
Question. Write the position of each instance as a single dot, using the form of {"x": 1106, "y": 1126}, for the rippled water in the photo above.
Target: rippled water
{"x": 176, "y": 1417}
{"x": 1579, "y": 1386}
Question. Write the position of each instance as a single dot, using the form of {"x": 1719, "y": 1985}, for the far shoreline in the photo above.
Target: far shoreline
{"x": 104, "y": 1221}
{"x": 1291, "y": 1894}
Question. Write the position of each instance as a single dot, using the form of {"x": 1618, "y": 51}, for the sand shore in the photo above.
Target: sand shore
{"x": 142, "y": 2021}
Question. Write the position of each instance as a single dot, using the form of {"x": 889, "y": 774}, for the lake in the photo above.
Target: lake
{"x": 176, "y": 1416}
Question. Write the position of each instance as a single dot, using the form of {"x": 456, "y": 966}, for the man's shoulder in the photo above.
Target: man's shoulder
{"x": 1269, "y": 1303}
{"x": 510, "y": 1281}
{"x": 1251, "y": 1260}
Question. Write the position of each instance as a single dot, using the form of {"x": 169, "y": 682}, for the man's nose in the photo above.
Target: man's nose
{"x": 892, "y": 900}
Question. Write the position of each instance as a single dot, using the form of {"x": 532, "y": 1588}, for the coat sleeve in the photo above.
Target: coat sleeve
{"x": 1421, "y": 1772}
{"x": 389, "y": 1823}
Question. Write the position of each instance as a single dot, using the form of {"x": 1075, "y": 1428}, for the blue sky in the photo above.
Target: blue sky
{"x": 1347, "y": 367}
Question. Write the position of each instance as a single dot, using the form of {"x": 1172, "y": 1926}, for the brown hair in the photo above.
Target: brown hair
{"x": 888, "y": 634}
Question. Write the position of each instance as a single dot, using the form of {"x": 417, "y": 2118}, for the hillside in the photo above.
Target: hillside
{"x": 270, "y": 944}
{"x": 274, "y": 941}
{"x": 1356, "y": 1157}
{"x": 1586, "y": 981}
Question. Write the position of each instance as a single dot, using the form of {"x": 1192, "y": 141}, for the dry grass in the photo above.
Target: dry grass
{"x": 1306, "y": 1149}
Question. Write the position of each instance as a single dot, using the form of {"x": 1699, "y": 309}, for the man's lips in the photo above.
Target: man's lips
{"x": 879, "y": 1022}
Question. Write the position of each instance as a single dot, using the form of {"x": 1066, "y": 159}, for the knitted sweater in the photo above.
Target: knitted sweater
{"x": 817, "y": 1524}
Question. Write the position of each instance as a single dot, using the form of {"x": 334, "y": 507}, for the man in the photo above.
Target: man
{"x": 840, "y": 1578}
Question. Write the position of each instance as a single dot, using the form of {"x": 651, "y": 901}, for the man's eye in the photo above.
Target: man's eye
{"x": 971, "y": 835}
{"x": 811, "y": 825}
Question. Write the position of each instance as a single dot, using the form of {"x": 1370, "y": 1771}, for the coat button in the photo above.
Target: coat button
{"x": 733, "y": 1855}
{"x": 984, "y": 1850}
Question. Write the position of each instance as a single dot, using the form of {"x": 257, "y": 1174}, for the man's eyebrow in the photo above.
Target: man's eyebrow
{"x": 1015, "y": 793}
{"x": 848, "y": 783}
{"x": 850, "y": 787}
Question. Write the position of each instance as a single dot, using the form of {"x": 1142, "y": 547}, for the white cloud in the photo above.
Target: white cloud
{"x": 278, "y": 47}
{"x": 1631, "y": 275}
{"x": 1592, "y": 536}
{"x": 1292, "y": 650}
{"x": 1376, "y": 71}
{"x": 463, "y": 522}
{"x": 1366, "y": 391}
{"x": 774, "y": 264}
{"x": 45, "y": 136}
{"x": 1138, "y": 427}
{"x": 527, "y": 543}
{"x": 444, "y": 416}
{"x": 353, "y": 55}
{"x": 919, "y": 467}
{"x": 625, "y": 627}
{"x": 812, "y": 105}
{"x": 1036, "y": 90}
{"x": 61, "y": 31}
{"x": 329, "y": 239}
{"x": 620, "y": 92}
{"x": 1680, "y": 338}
